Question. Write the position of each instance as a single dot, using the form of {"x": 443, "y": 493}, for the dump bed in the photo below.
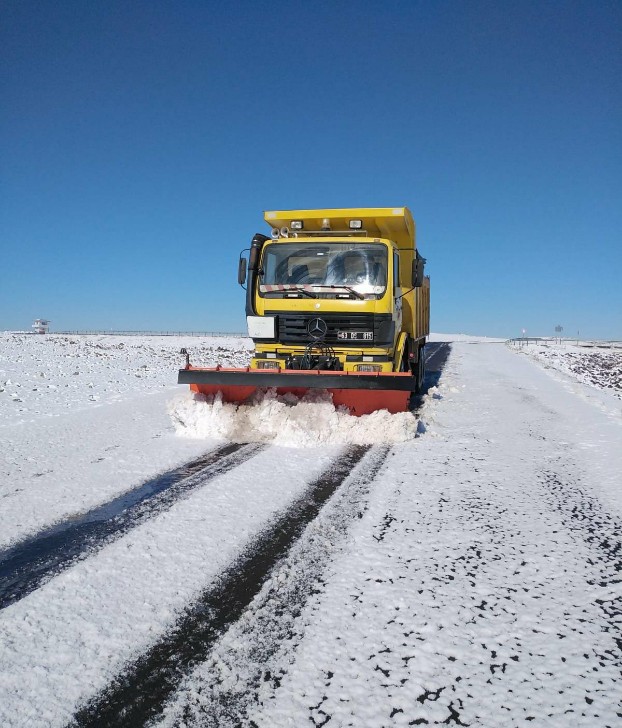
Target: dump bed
{"x": 393, "y": 223}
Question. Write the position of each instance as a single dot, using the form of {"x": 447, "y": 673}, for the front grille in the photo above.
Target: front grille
{"x": 292, "y": 328}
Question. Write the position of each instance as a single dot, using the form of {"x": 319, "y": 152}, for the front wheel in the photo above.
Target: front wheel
{"x": 420, "y": 371}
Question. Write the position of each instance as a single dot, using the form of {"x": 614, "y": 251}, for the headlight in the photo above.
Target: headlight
{"x": 368, "y": 368}
{"x": 268, "y": 364}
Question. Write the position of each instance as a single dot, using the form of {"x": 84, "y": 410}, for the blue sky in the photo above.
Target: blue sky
{"x": 140, "y": 143}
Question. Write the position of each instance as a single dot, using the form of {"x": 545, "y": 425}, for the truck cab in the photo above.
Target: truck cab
{"x": 337, "y": 290}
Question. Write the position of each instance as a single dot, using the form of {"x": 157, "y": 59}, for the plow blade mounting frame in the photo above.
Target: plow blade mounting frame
{"x": 361, "y": 392}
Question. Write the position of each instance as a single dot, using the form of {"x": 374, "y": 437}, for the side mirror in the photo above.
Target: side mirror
{"x": 242, "y": 271}
{"x": 417, "y": 273}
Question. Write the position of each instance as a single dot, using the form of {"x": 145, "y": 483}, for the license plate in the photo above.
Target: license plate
{"x": 355, "y": 335}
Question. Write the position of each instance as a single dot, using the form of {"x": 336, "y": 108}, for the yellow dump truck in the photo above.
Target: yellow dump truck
{"x": 336, "y": 300}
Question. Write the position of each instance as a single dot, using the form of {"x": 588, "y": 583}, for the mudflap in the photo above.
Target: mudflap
{"x": 361, "y": 393}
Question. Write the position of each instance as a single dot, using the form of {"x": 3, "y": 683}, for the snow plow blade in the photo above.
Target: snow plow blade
{"x": 361, "y": 392}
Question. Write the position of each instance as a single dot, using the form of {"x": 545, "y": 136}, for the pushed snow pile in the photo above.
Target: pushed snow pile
{"x": 288, "y": 421}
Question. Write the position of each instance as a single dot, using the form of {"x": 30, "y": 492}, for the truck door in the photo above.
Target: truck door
{"x": 397, "y": 294}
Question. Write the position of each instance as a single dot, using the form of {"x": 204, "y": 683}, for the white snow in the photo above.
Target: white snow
{"x": 84, "y": 418}
{"x": 473, "y": 579}
{"x": 107, "y": 609}
{"x": 466, "y": 581}
{"x": 285, "y": 420}
{"x": 53, "y": 374}
{"x": 599, "y": 367}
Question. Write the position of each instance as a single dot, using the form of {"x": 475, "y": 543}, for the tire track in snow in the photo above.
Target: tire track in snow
{"x": 271, "y": 626}
{"x": 139, "y": 695}
{"x": 34, "y": 561}
{"x": 488, "y": 595}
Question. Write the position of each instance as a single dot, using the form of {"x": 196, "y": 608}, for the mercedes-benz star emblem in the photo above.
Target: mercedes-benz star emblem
{"x": 317, "y": 328}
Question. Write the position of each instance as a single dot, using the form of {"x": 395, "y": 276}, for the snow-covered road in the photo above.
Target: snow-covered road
{"x": 465, "y": 572}
{"x": 482, "y": 586}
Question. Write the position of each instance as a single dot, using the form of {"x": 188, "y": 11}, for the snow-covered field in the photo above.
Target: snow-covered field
{"x": 53, "y": 374}
{"x": 465, "y": 571}
{"x": 600, "y": 367}
{"x": 84, "y": 418}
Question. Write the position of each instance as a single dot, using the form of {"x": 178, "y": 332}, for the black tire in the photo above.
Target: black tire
{"x": 404, "y": 364}
{"x": 420, "y": 371}
{"x": 417, "y": 370}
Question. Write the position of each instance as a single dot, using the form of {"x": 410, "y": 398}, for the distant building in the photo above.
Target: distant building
{"x": 41, "y": 326}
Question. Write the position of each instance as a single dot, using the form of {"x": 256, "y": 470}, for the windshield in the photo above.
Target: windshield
{"x": 324, "y": 269}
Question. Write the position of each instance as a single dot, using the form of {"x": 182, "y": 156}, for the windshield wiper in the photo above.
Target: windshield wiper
{"x": 349, "y": 289}
{"x": 301, "y": 290}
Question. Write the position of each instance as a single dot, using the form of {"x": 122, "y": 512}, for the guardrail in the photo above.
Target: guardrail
{"x": 150, "y": 333}
{"x": 526, "y": 340}
{"x": 547, "y": 341}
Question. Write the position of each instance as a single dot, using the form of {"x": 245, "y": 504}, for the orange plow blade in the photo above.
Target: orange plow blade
{"x": 361, "y": 392}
